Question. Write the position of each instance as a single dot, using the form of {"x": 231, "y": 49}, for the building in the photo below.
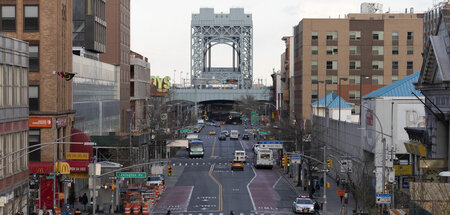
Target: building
{"x": 328, "y": 53}
{"x": 13, "y": 125}
{"x": 140, "y": 90}
{"x": 47, "y": 26}
{"x": 118, "y": 52}
{"x": 89, "y": 28}
{"x": 431, "y": 19}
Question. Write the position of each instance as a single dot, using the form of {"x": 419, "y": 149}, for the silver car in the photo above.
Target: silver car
{"x": 303, "y": 205}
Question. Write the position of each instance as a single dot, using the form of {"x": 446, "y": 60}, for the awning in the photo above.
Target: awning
{"x": 416, "y": 148}
{"x": 40, "y": 167}
{"x": 81, "y": 137}
{"x": 78, "y": 166}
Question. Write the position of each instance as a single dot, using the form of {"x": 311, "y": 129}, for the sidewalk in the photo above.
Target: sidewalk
{"x": 334, "y": 205}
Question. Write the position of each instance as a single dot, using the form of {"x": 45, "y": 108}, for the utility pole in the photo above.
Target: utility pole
{"x": 325, "y": 178}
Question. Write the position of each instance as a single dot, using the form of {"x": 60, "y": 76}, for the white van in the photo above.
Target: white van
{"x": 234, "y": 134}
{"x": 240, "y": 155}
{"x": 264, "y": 158}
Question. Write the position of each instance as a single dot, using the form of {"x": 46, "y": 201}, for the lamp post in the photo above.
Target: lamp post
{"x": 361, "y": 78}
{"x": 344, "y": 79}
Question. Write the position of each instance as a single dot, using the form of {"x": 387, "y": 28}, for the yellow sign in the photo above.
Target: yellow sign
{"x": 78, "y": 175}
{"x": 77, "y": 156}
{"x": 401, "y": 170}
{"x": 433, "y": 163}
{"x": 63, "y": 168}
{"x": 416, "y": 148}
{"x": 60, "y": 196}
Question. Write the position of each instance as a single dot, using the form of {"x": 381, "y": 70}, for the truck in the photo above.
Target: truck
{"x": 234, "y": 135}
{"x": 196, "y": 148}
{"x": 264, "y": 158}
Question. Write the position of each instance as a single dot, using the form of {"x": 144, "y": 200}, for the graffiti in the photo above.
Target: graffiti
{"x": 412, "y": 119}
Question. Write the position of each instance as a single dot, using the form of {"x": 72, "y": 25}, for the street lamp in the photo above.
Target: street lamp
{"x": 344, "y": 79}
{"x": 361, "y": 78}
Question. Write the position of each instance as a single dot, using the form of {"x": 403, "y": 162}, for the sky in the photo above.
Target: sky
{"x": 160, "y": 29}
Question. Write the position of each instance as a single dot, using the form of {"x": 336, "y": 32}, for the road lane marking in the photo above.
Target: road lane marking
{"x": 220, "y": 187}
{"x": 248, "y": 188}
{"x": 276, "y": 183}
{"x": 189, "y": 198}
{"x": 214, "y": 147}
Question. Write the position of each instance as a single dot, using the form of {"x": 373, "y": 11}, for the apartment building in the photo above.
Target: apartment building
{"x": 139, "y": 90}
{"x": 360, "y": 51}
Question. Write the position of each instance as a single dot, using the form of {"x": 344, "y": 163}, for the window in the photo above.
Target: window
{"x": 410, "y": 35}
{"x": 314, "y": 35}
{"x": 33, "y": 93}
{"x": 34, "y": 139}
{"x": 355, "y": 35}
{"x": 31, "y": 18}
{"x": 377, "y": 65}
{"x": 332, "y": 91}
{"x": 8, "y": 18}
{"x": 377, "y": 50}
{"x": 395, "y": 50}
{"x": 394, "y": 78}
{"x": 34, "y": 58}
{"x": 377, "y": 35}
{"x": 332, "y": 50}
{"x": 409, "y": 50}
{"x": 332, "y": 65}
{"x": 314, "y": 50}
{"x": 354, "y": 94}
{"x": 394, "y": 35}
{"x": 394, "y": 65}
{"x": 314, "y": 79}
{"x": 332, "y": 79}
{"x": 314, "y": 94}
{"x": 355, "y": 50}
{"x": 332, "y": 35}
{"x": 355, "y": 64}
{"x": 355, "y": 109}
{"x": 314, "y": 65}
{"x": 354, "y": 79}
{"x": 409, "y": 65}
{"x": 377, "y": 80}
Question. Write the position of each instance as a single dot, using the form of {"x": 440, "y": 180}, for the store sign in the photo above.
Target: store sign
{"x": 61, "y": 122}
{"x": 401, "y": 170}
{"x": 77, "y": 156}
{"x": 40, "y": 122}
{"x": 78, "y": 175}
{"x": 63, "y": 168}
{"x": 159, "y": 87}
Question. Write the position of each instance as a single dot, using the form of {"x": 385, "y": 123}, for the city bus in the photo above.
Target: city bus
{"x": 196, "y": 148}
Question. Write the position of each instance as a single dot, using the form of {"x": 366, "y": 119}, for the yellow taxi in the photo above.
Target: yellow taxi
{"x": 237, "y": 165}
{"x": 212, "y": 132}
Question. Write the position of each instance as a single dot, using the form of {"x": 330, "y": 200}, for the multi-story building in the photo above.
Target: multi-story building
{"x": 13, "y": 125}
{"x": 47, "y": 26}
{"x": 360, "y": 51}
{"x": 139, "y": 90}
{"x": 431, "y": 18}
{"x": 118, "y": 52}
{"x": 287, "y": 71}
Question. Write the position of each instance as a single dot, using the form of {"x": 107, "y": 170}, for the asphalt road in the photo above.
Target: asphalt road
{"x": 207, "y": 185}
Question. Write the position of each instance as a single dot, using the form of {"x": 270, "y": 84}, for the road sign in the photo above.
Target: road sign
{"x": 271, "y": 144}
{"x": 346, "y": 166}
{"x": 383, "y": 198}
{"x": 131, "y": 175}
{"x": 185, "y": 131}
{"x": 295, "y": 160}
{"x": 263, "y": 132}
{"x": 49, "y": 177}
{"x": 164, "y": 116}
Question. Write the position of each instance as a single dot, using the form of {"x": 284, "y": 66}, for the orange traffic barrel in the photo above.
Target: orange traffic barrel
{"x": 57, "y": 211}
{"x": 127, "y": 209}
{"x": 145, "y": 209}
{"x": 135, "y": 208}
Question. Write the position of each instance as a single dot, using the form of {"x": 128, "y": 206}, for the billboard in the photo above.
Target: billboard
{"x": 159, "y": 87}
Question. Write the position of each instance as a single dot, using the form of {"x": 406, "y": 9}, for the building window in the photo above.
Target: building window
{"x": 34, "y": 139}
{"x": 394, "y": 65}
{"x": 355, "y": 109}
{"x": 332, "y": 35}
{"x": 332, "y": 65}
{"x": 314, "y": 50}
{"x": 394, "y": 35}
{"x": 34, "y": 58}
{"x": 33, "y": 101}
{"x": 410, "y": 35}
{"x": 332, "y": 79}
{"x": 314, "y": 65}
{"x": 409, "y": 50}
{"x": 377, "y": 50}
{"x": 314, "y": 35}
{"x": 354, "y": 79}
{"x": 377, "y": 80}
{"x": 8, "y": 18}
{"x": 355, "y": 35}
{"x": 409, "y": 65}
{"x": 331, "y": 91}
{"x": 31, "y": 18}
{"x": 394, "y": 78}
{"x": 355, "y": 64}
{"x": 332, "y": 50}
{"x": 377, "y": 35}
{"x": 377, "y": 65}
{"x": 314, "y": 79}
{"x": 354, "y": 94}
{"x": 314, "y": 94}
{"x": 395, "y": 50}
{"x": 355, "y": 50}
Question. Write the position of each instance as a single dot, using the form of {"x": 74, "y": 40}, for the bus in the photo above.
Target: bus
{"x": 264, "y": 158}
{"x": 196, "y": 148}
{"x": 234, "y": 134}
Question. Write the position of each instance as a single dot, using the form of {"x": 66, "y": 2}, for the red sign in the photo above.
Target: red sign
{"x": 78, "y": 166}
{"x": 369, "y": 117}
{"x": 340, "y": 192}
{"x": 40, "y": 122}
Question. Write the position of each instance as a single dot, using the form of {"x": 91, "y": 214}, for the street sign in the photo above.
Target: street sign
{"x": 263, "y": 132}
{"x": 68, "y": 180}
{"x": 271, "y": 144}
{"x": 131, "y": 175}
{"x": 49, "y": 177}
{"x": 383, "y": 198}
{"x": 185, "y": 131}
{"x": 295, "y": 160}
{"x": 346, "y": 166}
{"x": 164, "y": 116}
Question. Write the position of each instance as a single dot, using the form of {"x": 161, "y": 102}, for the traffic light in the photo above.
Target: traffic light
{"x": 288, "y": 161}
{"x": 169, "y": 170}
{"x": 284, "y": 161}
{"x": 329, "y": 163}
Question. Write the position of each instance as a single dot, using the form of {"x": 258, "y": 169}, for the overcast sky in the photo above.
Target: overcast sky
{"x": 160, "y": 28}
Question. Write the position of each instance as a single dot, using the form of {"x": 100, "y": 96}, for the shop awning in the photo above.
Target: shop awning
{"x": 40, "y": 167}
{"x": 78, "y": 166}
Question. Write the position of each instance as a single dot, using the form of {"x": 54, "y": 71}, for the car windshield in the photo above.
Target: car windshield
{"x": 265, "y": 156}
{"x": 196, "y": 147}
{"x": 304, "y": 201}
{"x": 154, "y": 178}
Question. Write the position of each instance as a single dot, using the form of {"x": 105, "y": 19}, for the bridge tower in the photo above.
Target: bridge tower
{"x": 234, "y": 29}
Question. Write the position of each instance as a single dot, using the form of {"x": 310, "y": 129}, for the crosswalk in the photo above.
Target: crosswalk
{"x": 194, "y": 163}
{"x": 207, "y": 213}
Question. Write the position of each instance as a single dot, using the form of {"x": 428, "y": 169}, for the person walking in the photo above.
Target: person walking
{"x": 168, "y": 212}
{"x": 231, "y": 212}
{"x": 84, "y": 201}
{"x": 316, "y": 208}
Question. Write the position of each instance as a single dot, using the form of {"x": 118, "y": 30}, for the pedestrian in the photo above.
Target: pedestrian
{"x": 317, "y": 208}
{"x": 84, "y": 201}
{"x": 341, "y": 198}
{"x": 168, "y": 212}
{"x": 231, "y": 212}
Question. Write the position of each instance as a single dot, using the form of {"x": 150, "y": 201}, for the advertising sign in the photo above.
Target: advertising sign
{"x": 403, "y": 170}
{"x": 40, "y": 122}
{"x": 77, "y": 156}
{"x": 63, "y": 168}
{"x": 383, "y": 198}
{"x": 159, "y": 87}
